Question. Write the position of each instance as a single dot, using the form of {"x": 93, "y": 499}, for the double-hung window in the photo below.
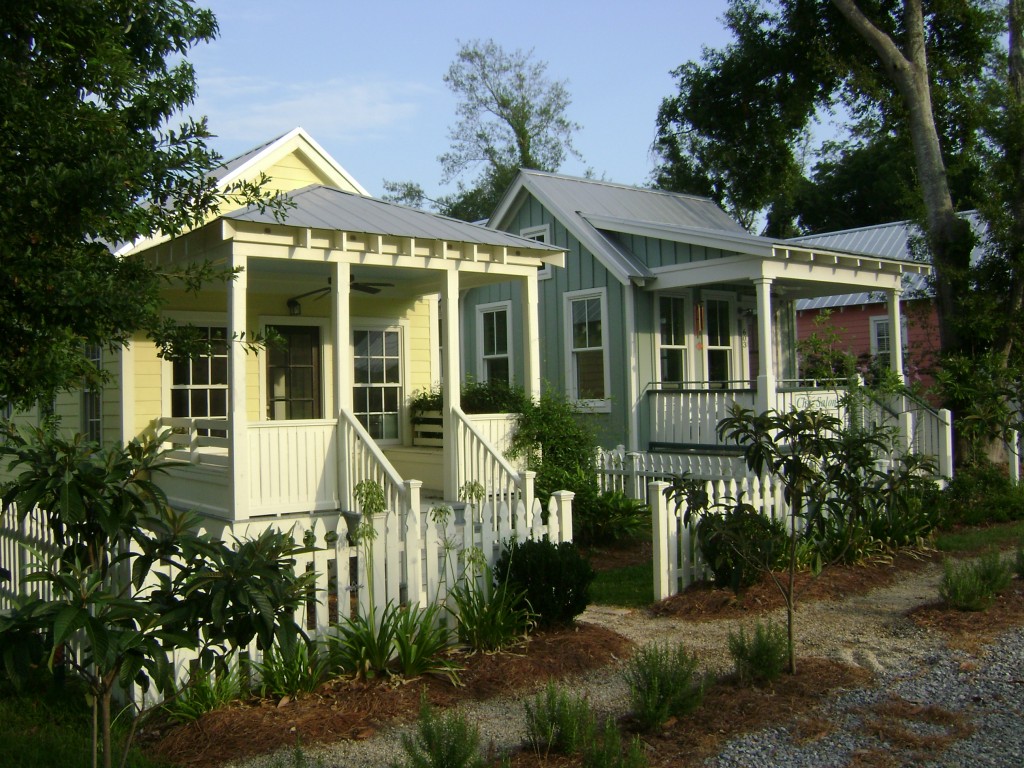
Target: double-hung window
{"x": 881, "y": 338}
{"x": 587, "y": 346}
{"x": 377, "y": 393}
{"x": 493, "y": 331}
{"x": 718, "y": 341}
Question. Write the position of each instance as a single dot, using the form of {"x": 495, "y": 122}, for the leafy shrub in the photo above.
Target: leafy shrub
{"x": 490, "y": 616}
{"x": 662, "y": 683}
{"x": 554, "y": 579}
{"x": 980, "y": 493}
{"x": 973, "y": 586}
{"x": 493, "y": 396}
{"x": 294, "y": 666}
{"x": 761, "y": 658}
{"x": 442, "y": 741}
{"x": 1018, "y": 563}
{"x": 362, "y": 648}
{"x": 740, "y": 544}
{"x": 420, "y": 640}
{"x": 204, "y": 693}
{"x": 606, "y": 752}
{"x": 559, "y": 723}
{"x": 609, "y": 518}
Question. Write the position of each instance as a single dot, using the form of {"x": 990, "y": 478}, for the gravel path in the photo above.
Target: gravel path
{"x": 868, "y": 630}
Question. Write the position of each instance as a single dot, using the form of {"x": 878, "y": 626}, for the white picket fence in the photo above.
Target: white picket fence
{"x": 416, "y": 559}
{"x": 677, "y": 560}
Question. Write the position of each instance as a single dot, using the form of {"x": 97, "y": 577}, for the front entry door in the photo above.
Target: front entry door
{"x": 293, "y": 373}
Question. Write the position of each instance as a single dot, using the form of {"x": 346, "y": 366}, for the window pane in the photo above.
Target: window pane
{"x": 391, "y": 344}
{"x": 179, "y": 402}
{"x": 198, "y": 403}
{"x": 496, "y": 369}
{"x": 392, "y": 373}
{"x": 302, "y": 383}
{"x": 218, "y": 402}
{"x": 375, "y": 343}
{"x": 672, "y": 321}
{"x": 590, "y": 375}
{"x": 718, "y": 365}
{"x": 219, "y": 370}
{"x": 180, "y": 373}
{"x": 201, "y": 371}
{"x": 673, "y": 367}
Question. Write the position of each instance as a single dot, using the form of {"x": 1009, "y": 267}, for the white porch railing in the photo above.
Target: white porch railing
{"x": 201, "y": 442}
{"x": 632, "y": 472}
{"x": 293, "y": 466}
{"x": 691, "y": 416}
{"x": 480, "y": 462}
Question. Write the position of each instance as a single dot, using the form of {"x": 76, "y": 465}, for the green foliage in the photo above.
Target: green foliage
{"x": 494, "y": 396}
{"x": 448, "y": 740}
{"x": 490, "y": 615}
{"x": 89, "y": 93}
{"x": 557, "y": 444}
{"x": 363, "y": 647}
{"x": 762, "y": 658}
{"x": 822, "y": 356}
{"x": 1018, "y": 563}
{"x": 291, "y": 667}
{"x": 972, "y": 586}
{"x": 553, "y": 578}
{"x": 51, "y": 725}
{"x": 559, "y": 723}
{"x": 606, "y": 751}
{"x": 663, "y": 682}
{"x": 740, "y": 544}
{"x": 609, "y": 518}
{"x": 112, "y": 527}
{"x": 980, "y": 493}
{"x": 206, "y": 691}
{"x": 980, "y": 539}
{"x": 421, "y": 639}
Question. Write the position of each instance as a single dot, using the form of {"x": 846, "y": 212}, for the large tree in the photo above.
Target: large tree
{"x": 932, "y": 82}
{"x": 510, "y": 116}
{"x": 90, "y": 156}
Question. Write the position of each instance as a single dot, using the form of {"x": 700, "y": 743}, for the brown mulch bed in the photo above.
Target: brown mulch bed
{"x": 969, "y": 630}
{"x": 705, "y": 601}
{"x": 345, "y": 709}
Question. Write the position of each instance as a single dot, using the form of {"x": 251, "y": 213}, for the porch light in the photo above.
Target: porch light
{"x": 294, "y": 308}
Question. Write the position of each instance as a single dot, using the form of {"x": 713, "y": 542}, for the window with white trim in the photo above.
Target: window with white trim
{"x": 92, "y": 398}
{"x": 672, "y": 316}
{"x": 494, "y": 341}
{"x": 199, "y": 386}
{"x": 541, "y": 234}
{"x": 587, "y": 345}
{"x": 881, "y": 339}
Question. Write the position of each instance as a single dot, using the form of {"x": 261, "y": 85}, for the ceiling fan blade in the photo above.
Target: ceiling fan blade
{"x": 364, "y": 287}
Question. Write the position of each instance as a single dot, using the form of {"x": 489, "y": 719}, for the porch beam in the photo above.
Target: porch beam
{"x": 895, "y": 333}
{"x": 451, "y": 368}
{"x": 237, "y": 424}
{"x": 767, "y": 387}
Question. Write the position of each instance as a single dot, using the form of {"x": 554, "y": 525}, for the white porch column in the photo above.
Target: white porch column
{"x": 531, "y": 337}
{"x": 451, "y": 370}
{"x": 237, "y": 418}
{"x": 766, "y": 379}
{"x": 341, "y": 335}
{"x": 895, "y": 332}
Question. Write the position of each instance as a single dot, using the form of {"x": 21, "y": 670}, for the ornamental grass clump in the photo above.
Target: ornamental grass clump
{"x": 663, "y": 683}
{"x": 760, "y": 658}
{"x": 973, "y": 586}
{"x": 448, "y": 740}
{"x": 606, "y": 750}
{"x": 205, "y": 692}
{"x": 559, "y": 723}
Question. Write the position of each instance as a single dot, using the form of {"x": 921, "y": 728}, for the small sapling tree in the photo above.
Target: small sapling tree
{"x": 129, "y": 578}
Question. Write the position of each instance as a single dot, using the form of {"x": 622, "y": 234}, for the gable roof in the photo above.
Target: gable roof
{"x": 249, "y": 164}
{"x": 321, "y": 207}
{"x": 892, "y": 241}
{"x": 589, "y": 208}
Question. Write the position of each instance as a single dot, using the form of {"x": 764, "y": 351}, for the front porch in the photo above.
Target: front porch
{"x": 685, "y": 418}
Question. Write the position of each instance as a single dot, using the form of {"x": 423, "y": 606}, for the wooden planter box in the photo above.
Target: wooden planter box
{"x": 428, "y": 429}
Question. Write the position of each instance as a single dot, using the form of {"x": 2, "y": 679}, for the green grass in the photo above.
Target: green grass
{"x": 976, "y": 539}
{"x": 42, "y": 730}
{"x": 628, "y": 587}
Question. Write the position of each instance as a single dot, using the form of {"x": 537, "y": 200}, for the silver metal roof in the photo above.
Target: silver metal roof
{"x": 893, "y": 241}
{"x": 571, "y": 200}
{"x": 320, "y": 207}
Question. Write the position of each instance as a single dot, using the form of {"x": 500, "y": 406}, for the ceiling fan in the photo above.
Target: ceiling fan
{"x": 353, "y": 284}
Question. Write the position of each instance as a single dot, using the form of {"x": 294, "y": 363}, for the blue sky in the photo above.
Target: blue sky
{"x": 365, "y": 79}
